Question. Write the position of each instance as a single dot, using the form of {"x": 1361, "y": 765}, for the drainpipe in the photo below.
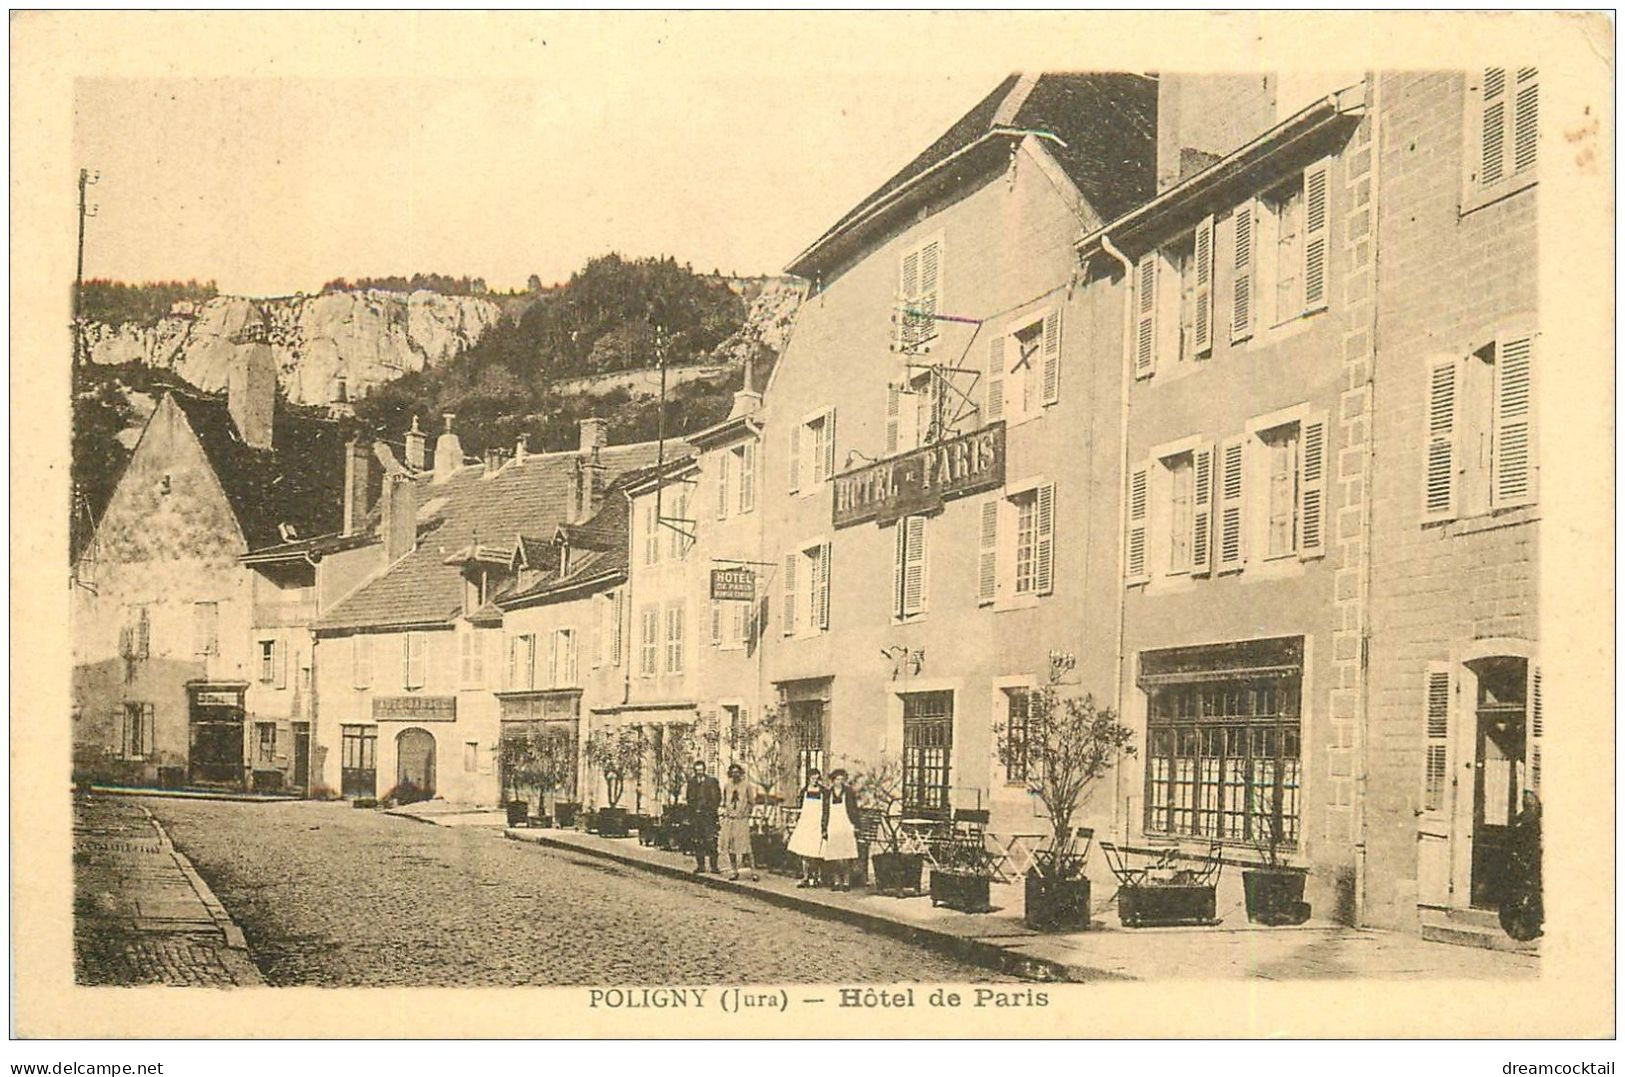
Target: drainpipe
{"x": 1124, "y": 381}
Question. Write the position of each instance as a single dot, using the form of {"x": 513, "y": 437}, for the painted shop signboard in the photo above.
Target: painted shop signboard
{"x": 414, "y": 709}
{"x": 918, "y": 482}
{"x": 733, "y": 585}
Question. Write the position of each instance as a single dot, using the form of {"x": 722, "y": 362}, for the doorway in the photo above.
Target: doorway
{"x": 928, "y": 743}
{"x": 414, "y": 765}
{"x": 1498, "y": 774}
{"x": 301, "y": 757}
{"x": 215, "y": 741}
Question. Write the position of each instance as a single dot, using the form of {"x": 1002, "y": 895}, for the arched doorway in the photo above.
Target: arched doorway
{"x": 414, "y": 765}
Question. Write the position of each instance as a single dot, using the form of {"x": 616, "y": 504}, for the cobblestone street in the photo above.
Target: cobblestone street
{"x": 329, "y": 895}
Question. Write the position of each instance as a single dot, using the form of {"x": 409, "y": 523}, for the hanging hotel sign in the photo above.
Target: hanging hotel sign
{"x": 733, "y": 585}
{"x": 920, "y": 481}
{"x": 414, "y": 708}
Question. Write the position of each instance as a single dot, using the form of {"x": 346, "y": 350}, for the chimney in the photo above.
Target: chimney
{"x": 251, "y": 385}
{"x": 494, "y": 459}
{"x": 448, "y": 452}
{"x": 400, "y": 523}
{"x": 747, "y": 400}
{"x": 521, "y": 448}
{"x": 357, "y": 484}
{"x": 416, "y": 443}
{"x": 594, "y": 436}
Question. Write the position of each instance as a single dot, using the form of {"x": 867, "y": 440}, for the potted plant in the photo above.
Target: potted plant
{"x": 617, "y": 754}
{"x": 668, "y": 763}
{"x": 1274, "y": 888}
{"x": 962, "y": 879}
{"x": 514, "y": 762}
{"x": 766, "y": 748}
{"x": 1064, "y": 747}
{"x": 553, "y": 764}
{"x": 565, "y": 812}
{"x": 880, "y": 792}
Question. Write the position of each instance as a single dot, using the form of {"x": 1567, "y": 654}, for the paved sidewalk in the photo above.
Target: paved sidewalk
{"x": 141, "y": 914}
{"x": 442, "y": 814}
{"x": 1234, "y": 949}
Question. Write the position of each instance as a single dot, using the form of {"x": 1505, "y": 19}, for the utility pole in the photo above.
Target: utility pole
{"x": 87, "y": 178}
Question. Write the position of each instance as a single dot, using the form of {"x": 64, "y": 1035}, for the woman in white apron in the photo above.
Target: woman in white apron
{"x": 807, "y": 840}
{"x": 840, "y": 835}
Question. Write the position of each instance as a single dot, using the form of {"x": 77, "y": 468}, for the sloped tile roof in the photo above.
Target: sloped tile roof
{"x": 298, "y": 482}
{"x": 529, "y": 498}
{"x": 609, "y": 527}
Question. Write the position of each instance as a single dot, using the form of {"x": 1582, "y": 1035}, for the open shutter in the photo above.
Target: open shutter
{"x": 1537, "y": 730}
{"x": 555, "y": 668}
{"x": 1312, "y": 489}
{"x": 716, "y": 623}
{"x": 572, "y": 672}
{"x": 280, "y": 651}
{"x": 822, "y": 594}
{"x": 1511, "y": 447}
{"x": 148, "y": 732}
{"x": 829, "y": 443}
{"x": 1492, "y": 143}
{"x": 1316, "y": 232}
{"x": 722, "y": 483}
{"x": 1525, "y": 121}
{"x": 1145, "y": 316}
{"x": 1052, "y": 357}
{"x": 1139, "y": 508}
{"x": 893, "y": 401}
{"x": 1436, "y": 760}
{"x": 995, "y": 378}
{"x": 790, "y": 593}
{"x": 1439, "y": 494}
{"x": 987, "y": 558}
{"x": 615, "y": 630}
{"x": 1044, "y": 551}
{"x": 143, "y": 643}
{"x": 1204, "y": 287}
{"x": 1241, "y": 290}
{"x": 1202, "y": 512}
{"x": 795, "y": 458}
{"x": 465, "y": 658}
{"x": 914, "y": 564}
{"x": 926, "y": 304}
{"x": 747, "y": 477}
{"x": 1232, "y": 545}
{"x": 908, "y": 288}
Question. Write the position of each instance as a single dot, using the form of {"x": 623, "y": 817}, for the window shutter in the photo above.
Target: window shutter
{"x": 553, "y": 659}
{"x": 491, "y": 654}
{"x": 747, "y": 477}
{"x": 1232, "y": 541}
{"x": 571, "y": 670}
{"x": 908, "y": 288}
{"x": 1044, "y": 554}
{"x": 722, "y": 483}
{"x": 995, "y": 378}
{"x": 716, "y": 623}
{"x": 1492, "y": 143}
{"x": 1139, "y": 506}
{"x": 822, "y": 596}
{"x": 464, "y": 658}
{"x": 829, "y": 443}
{"x": 914, "y": 564}
{"x": 362, "y": 660}
{"x": 148, "y": 733}
{"x": 1525, "y": 121}
{"x": 1436, "y": 760}
{"x": 1511, "y": 447}
{"x": 926, "y": 304}
{"x": 615, "y": 631}
{"x": 1537, "y": 730}
{"x": 893, "y": 393}
{"x": 1241, "y": 294}
{"x": 987, "y": 558}
{"x": 1439, "y": 495}
{"x": 1202, "y": 512}
{"x": 1204, "y": 287}
{"x": 1145, "y": 316}
{"x": 1316, "y": 230}
{"x": 280, "y": 650}
{"x": 795, "y": 458}
{"x": 143, "y": 643}
{"x": 790, "y": 593}
{"x": 1052, "y": 357}
{"x": 1312, "y": 489}
{"x": 513, "y": 662}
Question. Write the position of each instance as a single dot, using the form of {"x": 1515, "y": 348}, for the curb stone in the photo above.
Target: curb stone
{"x": 236, "y": 957}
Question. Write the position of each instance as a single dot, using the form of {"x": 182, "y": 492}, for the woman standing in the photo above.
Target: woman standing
{"x": 736, "y": 796}
{"x": 807, "y": 840}
{"x": 839, "y": 829}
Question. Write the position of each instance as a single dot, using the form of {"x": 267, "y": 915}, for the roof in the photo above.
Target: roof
{"x": 1104, "y": 128}
{"x": 313, "y": 549}
{"x": 725, "y": 431}
{"x": 606, "y": 561}
{"x": 528, "y": 498}
{"x": 298, "y": 482}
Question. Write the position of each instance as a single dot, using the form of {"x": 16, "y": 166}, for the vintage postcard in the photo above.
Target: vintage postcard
{"x": 749, "y": 524}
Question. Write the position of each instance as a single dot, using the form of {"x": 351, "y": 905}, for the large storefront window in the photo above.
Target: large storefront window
{"x": 1224, "y": 755}
{"x": 928, "y": 742}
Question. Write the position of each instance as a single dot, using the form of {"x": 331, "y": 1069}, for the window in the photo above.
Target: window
{"x": 1018, "y": 711}
{"x": 136, "y": 731}
{"x": 607, "y": 648}
{"x": 414, "y": 659}
{"x": 273, "y": 663}
{"x": 265, "y": 744}
{"x": 206, "y": 628}
{"x": 919, "y": 292}
{"x": 1287, "y": 246}
{"x": 358, "y": 766}
{"x": 135, "y": 638}
{"x": 522, "y": 663}
{"x": 651, "y": 533}
{"x": 1024, "y": 369}
{"x": 910, "y": 580}
{"x": 807, "y": 723}
{"x": 361, "y": 660}
{"x": 724, "y": 487}
{"x": 471, "y": 668}
{"x": 471, "y": 756}
{"x": 908, "y": 416}
{"x": 678, "y": 524}
{"x": 812, "y": 451}
{"x": 928, "y": 739}
{"x": 1291, "y": 471}
{"x": 1283, "y": 250}
{"x": 1281, "y": 519}
{"x": 1223, "y": 734}
{"x": 562, "y": 668}
{"x": 676, "y": 615}
{"x": 1504, "y": 130}
{"x": 1480, "y": 449}
{"x": 649, "y": 641}
{"x": 806, "y": 590}
{"x": 1181, "y": 474}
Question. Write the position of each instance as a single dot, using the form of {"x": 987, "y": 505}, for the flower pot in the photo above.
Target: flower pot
{"x": 964, "y": 892}
{"x": 1057, "y": 904}
{"x": 613, "y": 823}
{"x": 1166, "y": 905}
{"x": 545, "y": 822}
{"x": 767, "y": 849}
{"x": 518, "y": 812}
{"x": 566, "y": 812}
{"x": 1275, "y": 897}
{"x": 897, "y": 872}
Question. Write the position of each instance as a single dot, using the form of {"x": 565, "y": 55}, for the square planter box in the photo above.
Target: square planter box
{"x": 966, "y": 893}
{"x": 612, "y": 823}
{"x": 518, "y": 813}
{"x": 896, "y": 873}
{"x": 566, "y": 813}
{"x": 1056, "y": 905}
{"x": 767, "y": 850}
{"x": 1166, "y": 906}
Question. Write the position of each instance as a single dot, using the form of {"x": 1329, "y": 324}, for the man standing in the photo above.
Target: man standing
{"x": 704, "y": 796}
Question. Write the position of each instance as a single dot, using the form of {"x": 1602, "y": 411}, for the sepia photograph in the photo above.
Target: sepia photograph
{"x": 734, "y": 543}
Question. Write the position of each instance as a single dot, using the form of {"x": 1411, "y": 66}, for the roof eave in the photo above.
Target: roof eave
{"x": 717, "y": 433}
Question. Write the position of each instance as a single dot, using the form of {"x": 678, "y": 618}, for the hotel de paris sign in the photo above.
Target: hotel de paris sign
{"x": 918, "y": 482}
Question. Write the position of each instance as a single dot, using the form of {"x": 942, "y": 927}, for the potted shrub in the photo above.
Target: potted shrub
{"x": 880, "y": 792}
{"x": 963, "y": 879}
{"x": 673, "y": 753}
{"x": 1274, "y": 888}
{"x": 766, "y": 749}
{"x": 566, "y": 812}
{"x": 1064, "y": 747}
{"x": 617, "y": 754}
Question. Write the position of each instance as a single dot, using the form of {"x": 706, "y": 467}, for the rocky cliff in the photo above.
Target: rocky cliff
{"x": 326, "y": 345}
